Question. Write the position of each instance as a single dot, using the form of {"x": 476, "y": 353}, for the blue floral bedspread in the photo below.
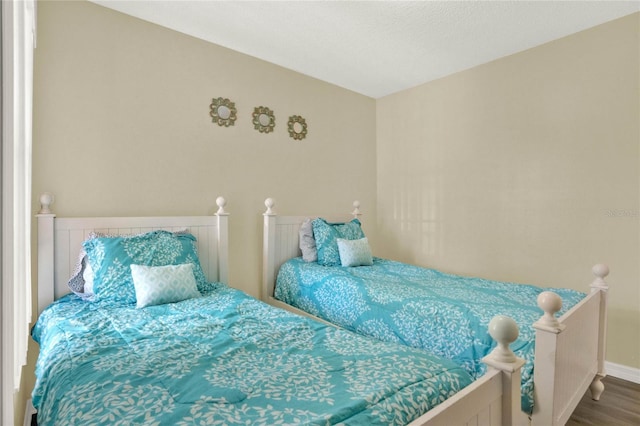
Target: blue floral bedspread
{"x": 220, "y": 359}
{"x": 447, "y": 315}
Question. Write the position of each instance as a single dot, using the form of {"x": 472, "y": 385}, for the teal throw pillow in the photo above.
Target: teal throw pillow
{"x": 327, "y": 234}
{"x": 111, "y": 259}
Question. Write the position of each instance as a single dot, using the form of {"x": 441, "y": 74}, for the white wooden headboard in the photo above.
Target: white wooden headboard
{"x": 60, "y": 240}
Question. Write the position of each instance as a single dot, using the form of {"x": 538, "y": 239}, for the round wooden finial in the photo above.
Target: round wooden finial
{"x": 550, "y": 303}
{"x": 600, "y": 270}
{"x": 221, "y": 202}
{"x": 356, "y": 209}
{"x": 269, "y": 203}
{"x": 504, "y": 331}
{"x": 46, "y": 199}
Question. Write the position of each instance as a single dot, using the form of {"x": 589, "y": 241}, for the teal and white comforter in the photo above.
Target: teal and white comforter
{"x": 224, "y": 358}
{"x": 444, "y": 314}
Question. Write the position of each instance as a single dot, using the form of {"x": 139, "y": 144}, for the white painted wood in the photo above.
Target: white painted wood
{"x": 504, "y": 331}
{"x": 219, "y": 261}
{"x": 563, "y": 369}
{"x": 623, "y": 372}
{"x": 60, "y": 241}
{"x": 598, "y": 285}
{"x": 17, "y": 43}
{"x": 569, "y": 358}
{"x": 45, "y": 260}
{"x": 279, "y": 304}
{"x": 356, "y": 209}
{"x": 550, "y": 303}
{"x": 484, "y": 396}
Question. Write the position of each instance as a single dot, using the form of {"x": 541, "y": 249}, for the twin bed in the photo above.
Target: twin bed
{"x": 128, "y": 349}
{"x": 443, "y": 314}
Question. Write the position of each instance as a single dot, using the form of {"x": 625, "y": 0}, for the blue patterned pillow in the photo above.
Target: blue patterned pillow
{"x": 327, "y": 234}
{"x": 111, "y": 258}
{"x": 157, "y": 285}
{"x": 355, "y": 252}
{"x": 78, "y": 282}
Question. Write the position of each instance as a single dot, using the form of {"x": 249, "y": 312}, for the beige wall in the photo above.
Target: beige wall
{"x": 122, "y": 127}
{"x": 524, "y": 169}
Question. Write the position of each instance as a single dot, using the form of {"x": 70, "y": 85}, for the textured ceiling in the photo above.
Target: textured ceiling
{"x": 376, "y": 47}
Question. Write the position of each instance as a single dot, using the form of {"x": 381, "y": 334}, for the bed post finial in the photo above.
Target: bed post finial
{"x": 356, "y": 209}
{"x": 550, "y": 303}
{"x": 269, "y": 203}
{"x": 221, "y": 202}
{"x": 504, "y": 331}
{"x": 46, "y": 199}
{"x": 600, "y": 271}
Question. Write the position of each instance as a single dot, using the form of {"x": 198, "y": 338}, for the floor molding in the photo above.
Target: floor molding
{"x": 622, "y": 372}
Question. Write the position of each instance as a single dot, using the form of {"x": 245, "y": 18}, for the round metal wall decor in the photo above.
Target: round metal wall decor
{"x": 263, "y": 119}
{"x": 297, "y": 127}
{"x": 223, "y": 112}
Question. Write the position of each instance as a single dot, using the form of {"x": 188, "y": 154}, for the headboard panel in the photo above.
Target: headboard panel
{"x": 60, "y": 241}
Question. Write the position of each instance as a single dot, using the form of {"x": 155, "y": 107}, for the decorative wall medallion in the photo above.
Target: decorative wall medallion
{"x": 297, "y": 127}
{"x": 223, "y": 112}
{"x": 263, "y": 119}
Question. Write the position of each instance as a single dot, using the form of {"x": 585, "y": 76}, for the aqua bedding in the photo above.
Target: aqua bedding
{"x": 224, "y": 358}
{"x": 444, "y": 314}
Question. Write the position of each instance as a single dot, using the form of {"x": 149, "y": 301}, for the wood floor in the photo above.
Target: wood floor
{"x": 618, "y": 405}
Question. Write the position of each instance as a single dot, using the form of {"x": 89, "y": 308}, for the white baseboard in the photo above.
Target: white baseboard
{"x": 28, "y": 412}
{"x": 622, "y": 372}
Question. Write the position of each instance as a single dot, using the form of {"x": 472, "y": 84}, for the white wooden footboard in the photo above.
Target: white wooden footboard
{"x": 570, "y": 351}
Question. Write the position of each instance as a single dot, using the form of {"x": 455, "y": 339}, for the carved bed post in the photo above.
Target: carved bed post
{"x": 223, "y": 240}
{"x": 504, "y": 331}
{"x": 45, "y": 252}
{"x": 545, "y": 376}
{"x": 268, "y": 249}
{"x": 600, "y": 271}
